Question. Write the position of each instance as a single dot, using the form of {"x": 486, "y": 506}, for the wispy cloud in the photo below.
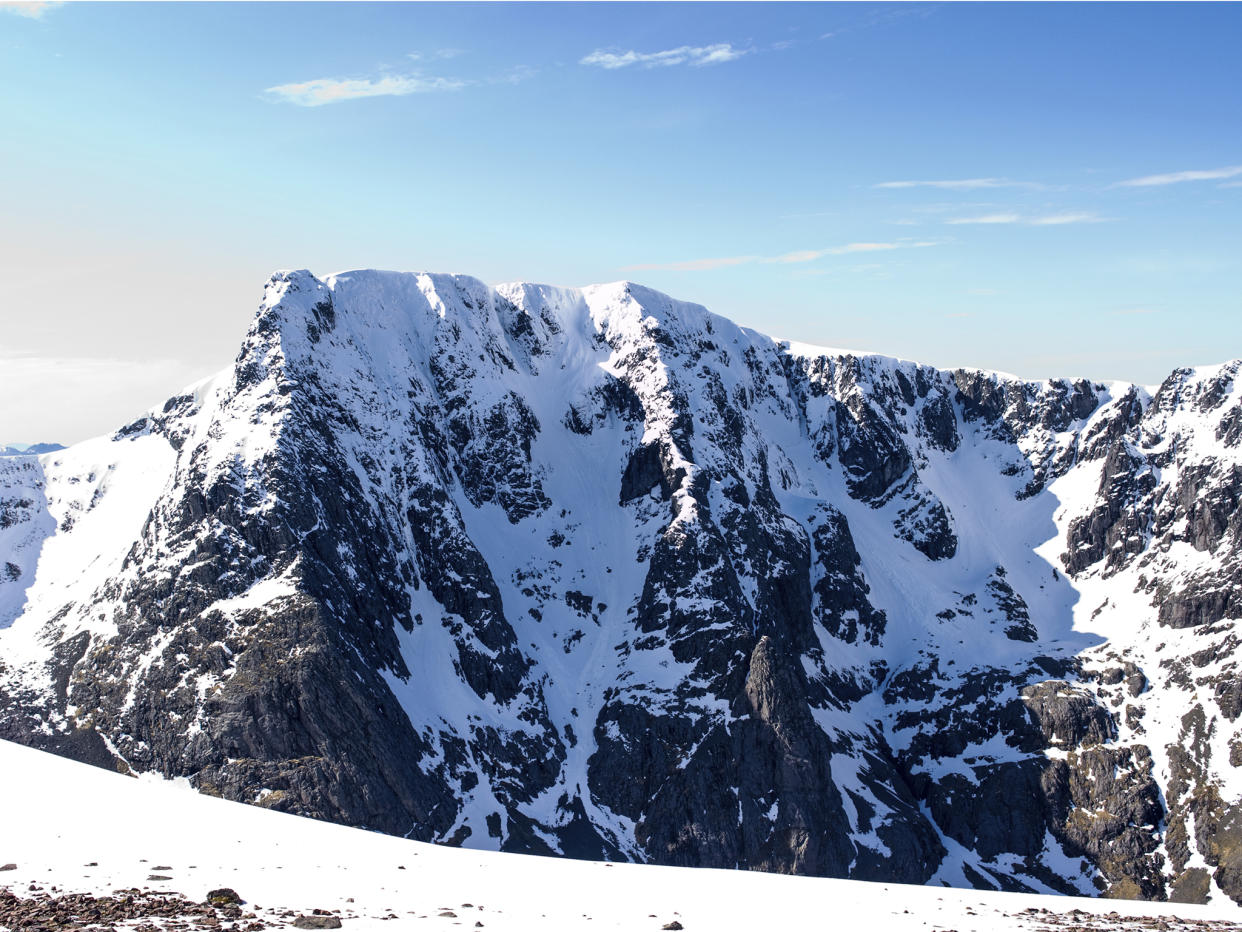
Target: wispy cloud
{"x": 876, "y": 270}
{"x": 320, "y": 91}
{"x": 986, "y": 218}
{"x": 949, "y": 207}
{"x": 1211, "y": 174}
{"x": 1046, "y": 220}
{"x": 515, "y": 75}
{"x": 1053, "y": 220}
{"x": 808, "y": 255}
{"x": 962, "y": 184}
{"x": 696, "y": 56}
{"x": 438, "y": 53}
{"x": 882, "y": 17}
{"x": 789, "y": 258}
{"x": 31, "y": 9}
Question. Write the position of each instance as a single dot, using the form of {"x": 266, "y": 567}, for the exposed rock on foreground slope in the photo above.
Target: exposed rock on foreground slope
{"x": 599, "y": 573}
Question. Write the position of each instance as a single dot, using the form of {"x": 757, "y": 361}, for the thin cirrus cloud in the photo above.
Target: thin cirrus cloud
{"x": 693, "y": 55}
{"x": 31, "y": 9}
{"x": 789, "y": 258}
{"x": 986, "y": 218}
{"x": 321, "y": 91}
{"x": 1210, "y": 174}
{"x": 438, "y": 53}
{"x": 961, "y": 184}
{"x": 1047, "y": 220}
{"x": 1056, "y": 220}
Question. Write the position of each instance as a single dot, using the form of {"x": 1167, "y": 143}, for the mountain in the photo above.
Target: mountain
{"x": 598, "y": 573}
{"x": 88, "y": 843}
{"x": 29, "y": 449}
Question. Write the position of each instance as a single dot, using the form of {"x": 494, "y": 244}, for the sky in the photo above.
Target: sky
{"x": 1042, "y": 189}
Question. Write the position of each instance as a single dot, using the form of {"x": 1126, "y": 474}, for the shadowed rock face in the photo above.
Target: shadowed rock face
{"x": 600, "y": 574}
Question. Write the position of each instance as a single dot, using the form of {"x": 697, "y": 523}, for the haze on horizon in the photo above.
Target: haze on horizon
{"x": 1046, "y": 190}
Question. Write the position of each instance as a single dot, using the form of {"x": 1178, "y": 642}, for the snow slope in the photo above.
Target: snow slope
{"x": 60, "y": 816}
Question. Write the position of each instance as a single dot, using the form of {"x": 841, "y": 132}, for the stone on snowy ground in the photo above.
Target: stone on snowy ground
{"x": 316, "y": 922}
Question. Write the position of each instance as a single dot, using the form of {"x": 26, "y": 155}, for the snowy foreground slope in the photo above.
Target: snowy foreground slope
{"x": 79, "y": 829}
{"x": 598, "y": 573}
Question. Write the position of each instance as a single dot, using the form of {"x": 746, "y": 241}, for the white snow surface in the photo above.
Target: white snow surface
{"x": 60, "y": 816}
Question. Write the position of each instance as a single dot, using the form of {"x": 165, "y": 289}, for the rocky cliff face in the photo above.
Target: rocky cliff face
{"x": 600, "y": 574}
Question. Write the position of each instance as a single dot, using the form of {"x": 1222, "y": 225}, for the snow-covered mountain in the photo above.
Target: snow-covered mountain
{"x": 598, "y": 573}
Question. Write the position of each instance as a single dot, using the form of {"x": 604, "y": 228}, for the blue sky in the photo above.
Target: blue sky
{"x": 1041, "y": 189}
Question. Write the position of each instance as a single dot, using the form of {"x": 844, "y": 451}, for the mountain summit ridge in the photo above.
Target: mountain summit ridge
{"x": 596, "y": 572}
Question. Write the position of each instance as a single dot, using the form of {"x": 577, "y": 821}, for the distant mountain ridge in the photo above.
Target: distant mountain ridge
{"x": 29, "y": 449}
{"x": 596, "y": 572}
